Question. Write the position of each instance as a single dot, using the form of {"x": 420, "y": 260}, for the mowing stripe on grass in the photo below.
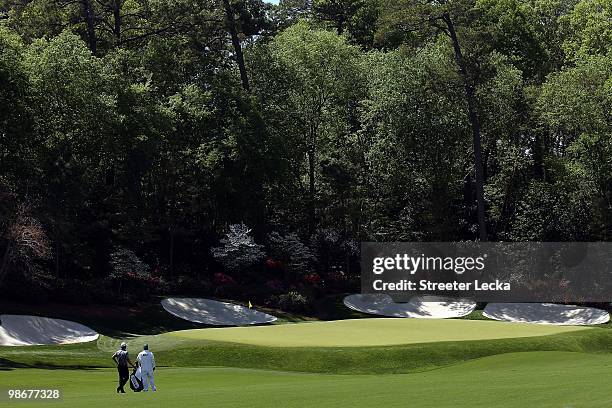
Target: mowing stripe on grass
{"x": 540, "y": 379}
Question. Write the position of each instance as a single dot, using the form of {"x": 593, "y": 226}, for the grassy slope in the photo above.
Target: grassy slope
{"x": 543, "y": 380}
{"x": 176, "y": 351}
{"x": 179, "y": 351}
{"x": 379, "y": 359}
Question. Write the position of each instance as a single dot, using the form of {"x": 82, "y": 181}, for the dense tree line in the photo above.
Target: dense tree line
{"x": 196, "y": 146}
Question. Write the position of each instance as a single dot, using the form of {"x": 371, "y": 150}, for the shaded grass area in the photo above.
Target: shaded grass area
{"x": 181, "y": 352}
{"x": 109, "y": 320}
{"x": 144, "y": 318}
{"x": 75, "y": 356}
{"x": 332, "y": 308}
{"x": 149, "y": 318}
{"x": 537, "y": 379}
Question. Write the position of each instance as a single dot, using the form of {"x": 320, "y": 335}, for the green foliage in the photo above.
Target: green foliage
{"x": 323, "y": 73}
{"x": 575, "y": 105}
{"x": 552, "y": 212}
{"x": 354, "y": 18}
{"x": 15, "y": 146}
{"x": 296, "y": 257}
{"x": 515, "y": 28}
{"x": 589, "y": 25}
{"x": 311, "y": 111}
{"x": 131, "y": 128}
{"x": 578, "y": 99}
{"x": 415, "y": 132}
{"x": 40, "y": 18}
{"x": 71, "y": 95}
{"x": 125, "y": 264}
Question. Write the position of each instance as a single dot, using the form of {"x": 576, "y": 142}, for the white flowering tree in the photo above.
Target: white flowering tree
{"x": 238, "y": 249}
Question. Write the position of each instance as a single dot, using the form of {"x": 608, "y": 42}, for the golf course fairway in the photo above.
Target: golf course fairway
{"x": 371, "y": 332}
{"x": 535, "y": 379}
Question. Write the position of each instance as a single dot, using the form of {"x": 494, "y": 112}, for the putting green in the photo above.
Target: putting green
{"x": 539, "y": 379}
{"x": 371, "y": 332}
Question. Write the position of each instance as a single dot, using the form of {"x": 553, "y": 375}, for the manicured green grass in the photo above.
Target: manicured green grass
{"x": 440, "y": 363}
{"x": 179, "y": 351}
{"x": 379, "y": 359}
{"x": 539, "y": 379}
{"x": 371, "y": 332}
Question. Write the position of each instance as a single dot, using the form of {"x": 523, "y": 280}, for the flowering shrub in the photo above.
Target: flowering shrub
{"x": 289, "y": 251}
{"x": 294, "y": 302}
{"x": 125, "y": 264}
{"x": 238, "y": 249}
{"x": 313, "y": 278}
{"x": 337, "y": 255}
{"x": 223, "y": 279}
{"x": 132, "y": 275}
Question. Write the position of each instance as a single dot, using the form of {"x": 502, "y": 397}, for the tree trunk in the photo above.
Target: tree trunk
{"x": 57, "y": 257}
{"x": 6, "y": 260}
{"x": 117, "y": 21}
{"x": 340, "y": 27}
{"x": 313, "y": 130}
{"x": 171, "y": 231}
{"x": 231, "y": 27}
{"x": 470, "y": 94}
{"x": 88, "y": 14}
{"x": 311, "y": 190}
{"x": 538, "y": 158}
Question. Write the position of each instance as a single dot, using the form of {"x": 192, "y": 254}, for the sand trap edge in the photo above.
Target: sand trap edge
{"x": 410, "y": 310}
{"x": 264, "y": 318}
{"x": 603, "y": 318}
{"x": 56, "y": 331}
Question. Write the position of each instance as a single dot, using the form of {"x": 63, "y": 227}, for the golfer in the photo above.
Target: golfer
{"x": 122, "y": 359}
{"x": 146, "y": 359}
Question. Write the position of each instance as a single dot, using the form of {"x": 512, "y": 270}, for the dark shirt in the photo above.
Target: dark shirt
{"x": 122, "y": 358}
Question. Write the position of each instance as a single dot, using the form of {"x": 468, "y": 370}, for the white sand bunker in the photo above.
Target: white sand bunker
{"x": 421, "y": 307}
{"x": 546, "y": 313}
{"x": 18, "y": 330}
{"x": 207, "y": 311}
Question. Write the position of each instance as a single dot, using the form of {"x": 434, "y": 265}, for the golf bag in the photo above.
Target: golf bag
{"x": 136, "y": 381}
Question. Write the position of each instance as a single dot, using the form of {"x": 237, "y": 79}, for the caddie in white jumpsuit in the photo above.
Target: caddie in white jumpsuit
{"x": 146, "y": 360}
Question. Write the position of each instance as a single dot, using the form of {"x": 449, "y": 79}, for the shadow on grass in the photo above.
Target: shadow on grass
{"x": 147, "y": 318}
{"x": 9, "y": 365}
{"x": 332, "y": 308}
{"x": 124, "y": 322}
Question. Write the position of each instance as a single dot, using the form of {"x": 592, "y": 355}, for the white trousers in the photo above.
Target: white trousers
{"x": 147, "y": 377}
